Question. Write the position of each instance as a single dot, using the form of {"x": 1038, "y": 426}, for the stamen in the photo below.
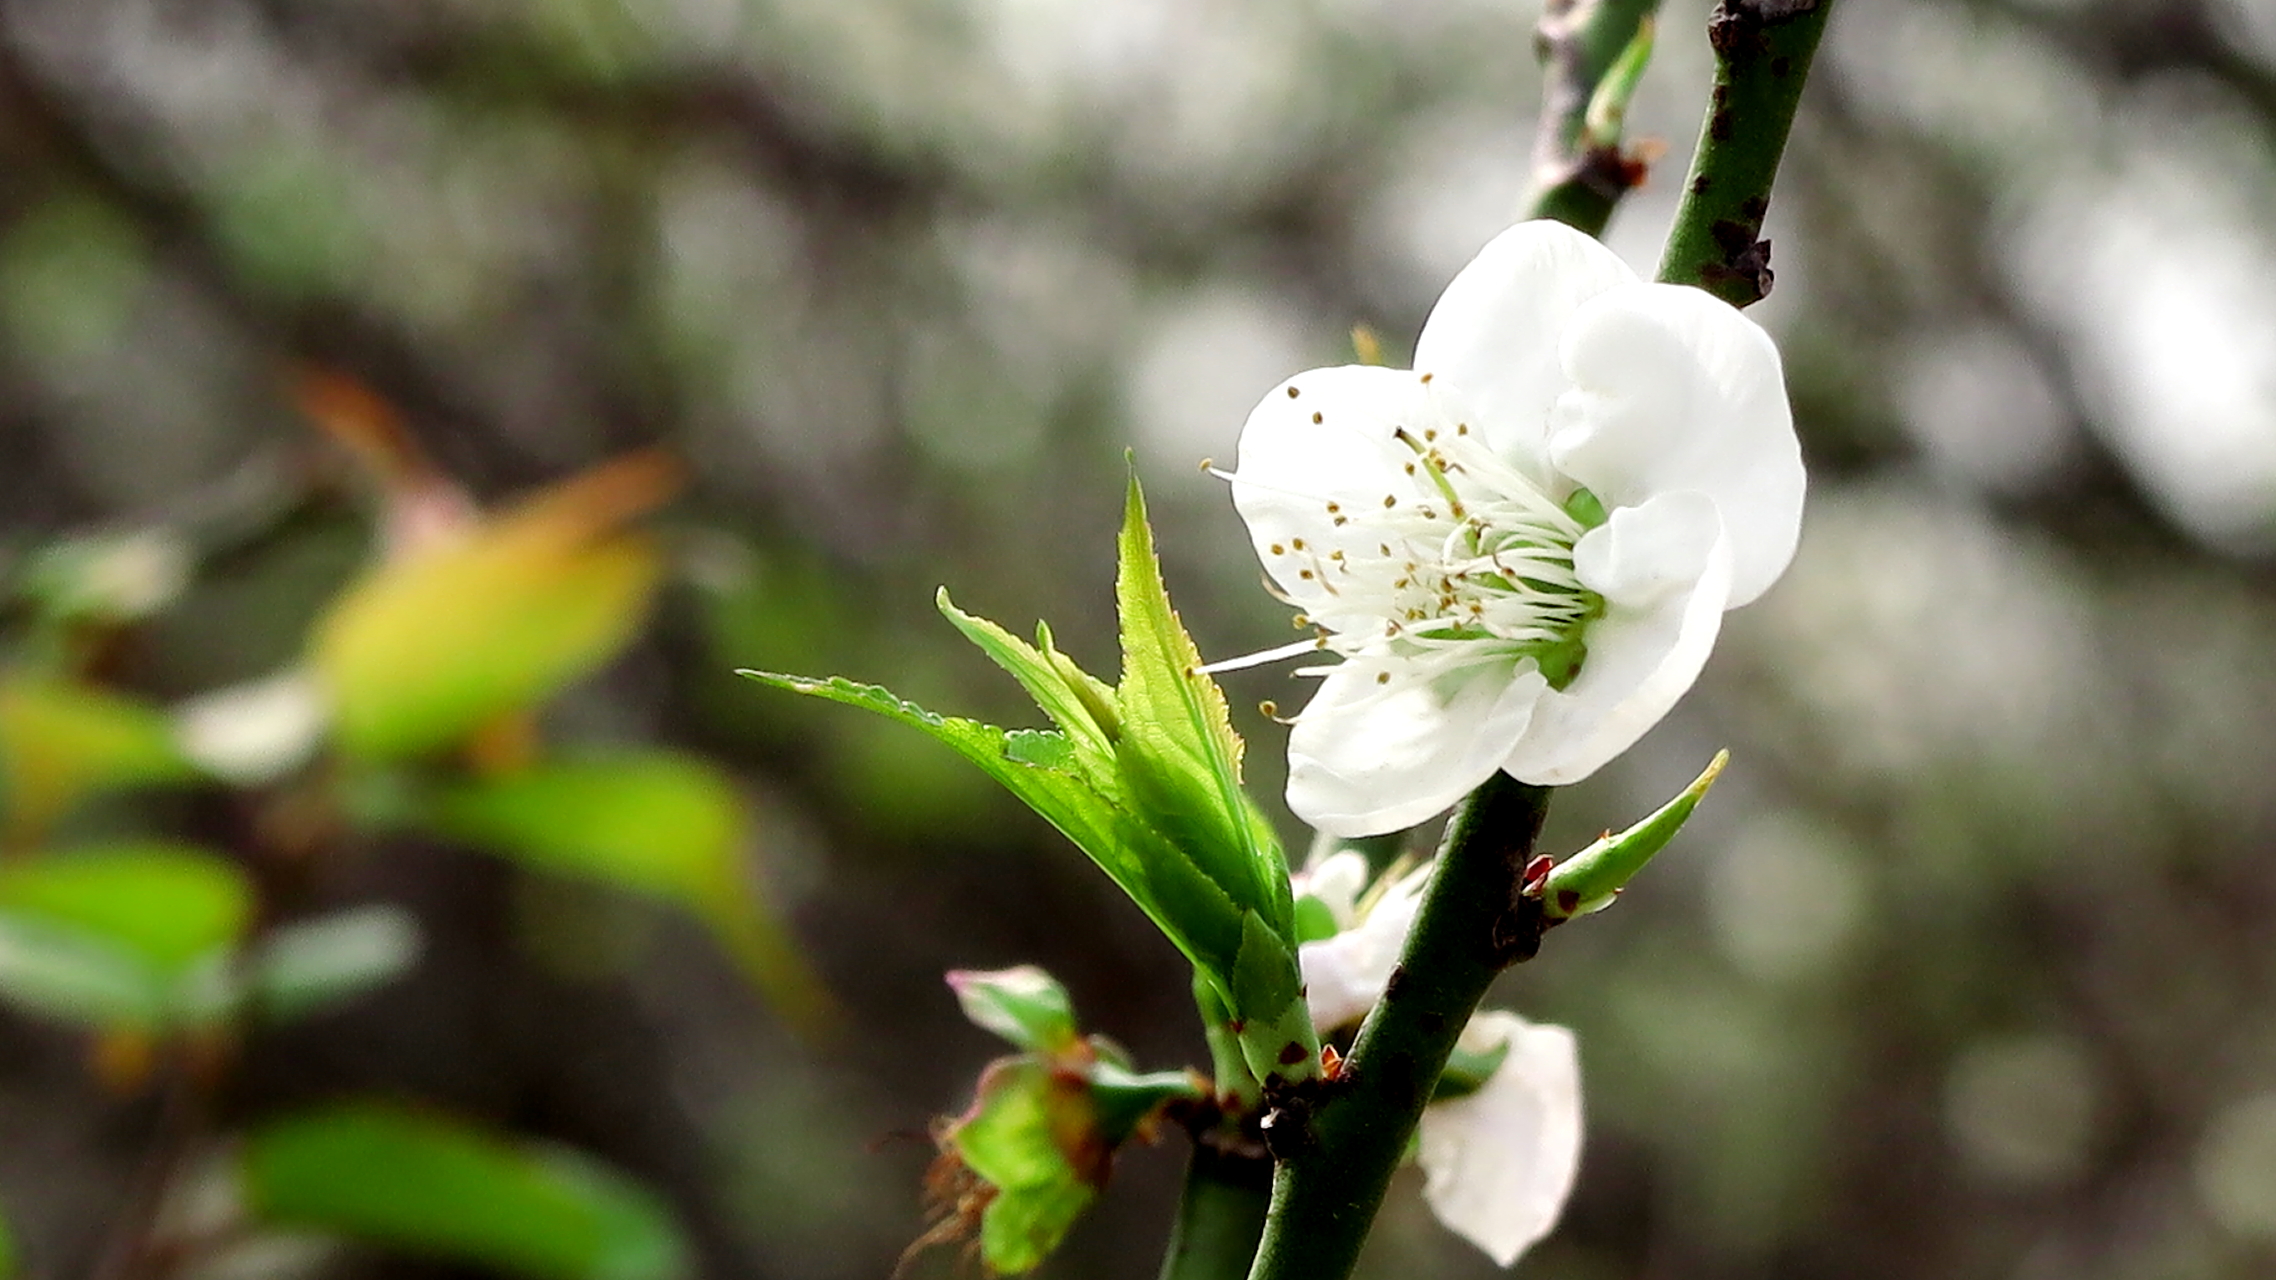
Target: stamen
{"x": 1245, "y": 661}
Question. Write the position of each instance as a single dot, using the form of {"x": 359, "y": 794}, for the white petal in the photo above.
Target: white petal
{"x": 1494, "y": 331}
{"x": 1672, "y": 388}
{"x": 1644, "y": 653}
{"x": 1499, "y": 1163}
{"x": 1345, "y": 975}
{"x": 1369, "y": 756}
{"x": 256, "y": 732}
{"x": 1336, "y": 881}
{"x": 1292, "y": 469}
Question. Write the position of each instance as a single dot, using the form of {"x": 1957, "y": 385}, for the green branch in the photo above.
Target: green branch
{"x": 1580, "y": 170}
{"x": 1221, "y": 1214}
{"x": 1338, "y": 1145}
{"x": 1762, "y": 57}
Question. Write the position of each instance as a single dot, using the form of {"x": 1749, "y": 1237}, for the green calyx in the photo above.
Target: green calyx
{"x": 1590, "y": 880}
{"x": 1044, "y": 1125}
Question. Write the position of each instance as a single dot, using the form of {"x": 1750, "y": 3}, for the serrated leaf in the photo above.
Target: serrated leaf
{"x": 309, "y": 964}
{"x": 1121, "y": 847}
{"x": 436, "y": 1187}
{"x": 1041, "y": 748}
{"x": 1063, "y": 799}
{"x": 1065, "y": 693}
{"x": 668, "y": 827}
{"x": 62, "y": 743}
{"x": 136, "y": 935}
{"x": 1179, "y": 759}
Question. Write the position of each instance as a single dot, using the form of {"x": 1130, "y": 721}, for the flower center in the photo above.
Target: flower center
{"x": 1465, "y": 560}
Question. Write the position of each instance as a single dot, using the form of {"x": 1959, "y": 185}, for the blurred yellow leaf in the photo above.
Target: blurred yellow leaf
{"x": 429, "y": 648}
{"x": 668, "y": 827}
{"x": 61, "y": 743}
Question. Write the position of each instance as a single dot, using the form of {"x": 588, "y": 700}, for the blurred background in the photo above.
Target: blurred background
{"x": 1968, "y": 969}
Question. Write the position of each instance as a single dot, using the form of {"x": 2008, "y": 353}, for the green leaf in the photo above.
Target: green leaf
{"x": 134, "y": 934}
{"x": 1013, "y": 1137}
{"x": 1023, "y": 1004}
{"x": 1179, "y": 759}
{"x": 62, "y": 743}
{"x": 667, "y": 827}
{"x": 304, "y": 966}
{"x": 1063, "y": 798}
{"x": 427, "y": 1185}
{"x": 1467, "y": 1072}
{"x": 1315, "y": 920}
{"x": 1041, "y": 748}
{"x": 1125, "y": 1099}
{"x": 1080, "y": 705}
{"x": 1264, "y": 973}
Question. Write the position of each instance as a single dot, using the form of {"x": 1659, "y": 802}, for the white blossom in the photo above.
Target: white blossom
{"x": 1498, "y": 1162}
{"x": 1522, "y": 549}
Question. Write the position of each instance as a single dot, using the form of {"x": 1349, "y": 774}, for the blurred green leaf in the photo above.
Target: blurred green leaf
{"x": 429, "y": 1185}
{"x": 71, "y": 271}
{"x": 65, "y": 973}
{"x": 431, "y": 647}
{"x": 61, "y": 743}
{"x": 135, "y": 935}
{"x": 106, "y": 577}
{"x": 307, "y": 965}
{"x": 669, "y": 827}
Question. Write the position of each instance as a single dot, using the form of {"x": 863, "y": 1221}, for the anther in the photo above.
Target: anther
{"x": 1317, "y": 419}
{"x": 1292, "y": 393}
{"x": 1382, "y": 677}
